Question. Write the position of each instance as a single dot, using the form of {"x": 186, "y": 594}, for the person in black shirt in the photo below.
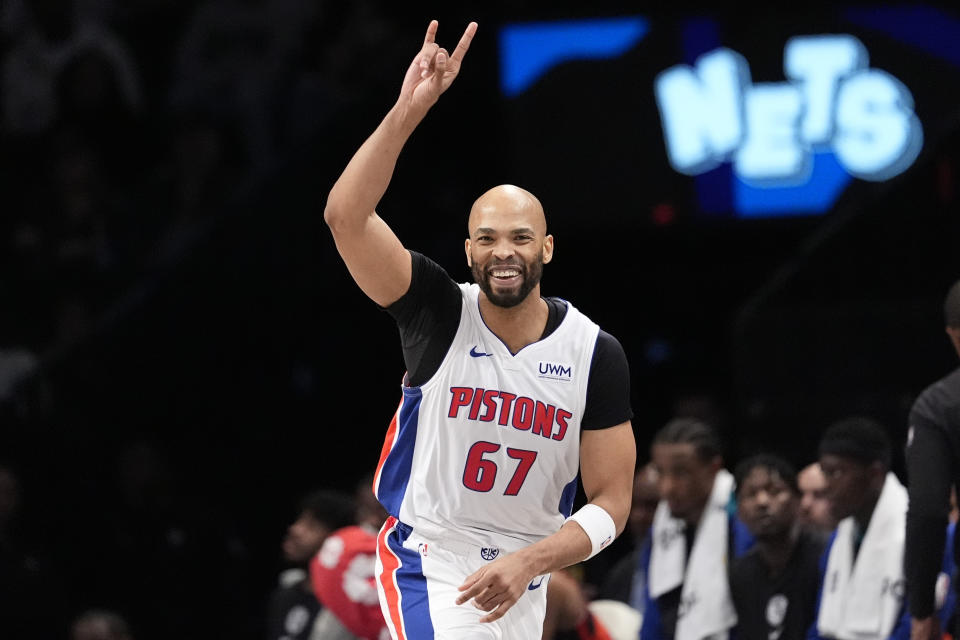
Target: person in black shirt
{"x": 774, "y": 585}
{"x": 293, "y": 607}
{"x": 933, "y": 467}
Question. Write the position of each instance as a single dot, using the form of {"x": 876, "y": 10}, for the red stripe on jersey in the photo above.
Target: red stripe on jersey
{"x": 388, "y": 441}
{"x": 390, "y": 563}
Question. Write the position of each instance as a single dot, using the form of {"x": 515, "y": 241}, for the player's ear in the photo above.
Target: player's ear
{"x": 466, "y": 247}
{"x": 547, "y": 248}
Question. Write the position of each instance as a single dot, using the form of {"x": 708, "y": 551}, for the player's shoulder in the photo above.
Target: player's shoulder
{"x": 938, "y": 400}
{"x": 608, "y": 341}
{"x": 426, "y": 268}
{"x": 607, "y": 349}
{"x": 430, "y": 286}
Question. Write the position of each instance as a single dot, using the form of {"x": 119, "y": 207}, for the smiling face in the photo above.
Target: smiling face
{"x": 508, "y": 244}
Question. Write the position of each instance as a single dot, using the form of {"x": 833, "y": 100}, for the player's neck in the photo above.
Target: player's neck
{"x": 519, "y": 325}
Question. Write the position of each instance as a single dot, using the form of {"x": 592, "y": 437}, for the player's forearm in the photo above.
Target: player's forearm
{"x": 567, "y": 546}
{"x": 358, "y": 190}
{"x": 571, "y": 544}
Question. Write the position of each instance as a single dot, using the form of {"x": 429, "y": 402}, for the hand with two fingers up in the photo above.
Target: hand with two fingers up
{"x": 433, "y": 70}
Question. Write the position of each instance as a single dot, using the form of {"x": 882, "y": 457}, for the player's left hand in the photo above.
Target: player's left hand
{"x": 497, "y": 586}
{"x": 433, "y": 70}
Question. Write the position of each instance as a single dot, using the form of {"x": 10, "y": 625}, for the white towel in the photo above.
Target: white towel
{"x": 706, "y": 608}
{"x": 862, "y": 600}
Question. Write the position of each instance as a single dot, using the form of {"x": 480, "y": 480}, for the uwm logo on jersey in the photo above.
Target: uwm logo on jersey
{"x": 553, "y": 371}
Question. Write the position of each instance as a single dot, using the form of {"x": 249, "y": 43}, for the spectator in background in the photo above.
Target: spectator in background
{"x": 327, "y": 82}
{"x": 933, "y": 470}
{"x": 694, "y": 534}
{"x": 165, "y": 550}
{"x": 91, "y": 100}
{"x": 100, "y": 625}
{"x": 815, "y": 512}
{"x": 77, "y": 248}
{"x": 627, "y": 580}
{"x": 230, "y": 60}
{"x": 775, "y": 583}
{"x": 343, "y": 574}
{"x": 50, "y": 39}
{"x": 568, "y": 614}
{"x": 293, "y": 606}
{"x": 862, "y": 582}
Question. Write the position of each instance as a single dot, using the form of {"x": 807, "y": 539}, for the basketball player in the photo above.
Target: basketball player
{"x": 506, "y": 395}
{"x": 933, "y": 466}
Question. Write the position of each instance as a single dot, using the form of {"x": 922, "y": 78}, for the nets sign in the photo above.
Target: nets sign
{"x": 713, "y": 117}
{"x": 833, "y": 101}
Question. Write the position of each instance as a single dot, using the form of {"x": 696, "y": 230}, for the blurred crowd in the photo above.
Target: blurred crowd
{"x": 762, "y": 538}
{"x": 127, "y": 130}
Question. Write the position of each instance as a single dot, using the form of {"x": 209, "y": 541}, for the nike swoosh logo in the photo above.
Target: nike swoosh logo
{"x": 478, "y": 354}
{"x": 531, "y": 586}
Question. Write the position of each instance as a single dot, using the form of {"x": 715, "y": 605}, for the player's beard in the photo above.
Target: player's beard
{"x": 530, "y": 274}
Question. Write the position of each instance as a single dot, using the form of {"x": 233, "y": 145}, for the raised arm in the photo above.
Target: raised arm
{"x": 373, "y": 253}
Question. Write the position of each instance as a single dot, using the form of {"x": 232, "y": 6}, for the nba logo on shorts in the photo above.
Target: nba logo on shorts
{"x": 489, "y": 553}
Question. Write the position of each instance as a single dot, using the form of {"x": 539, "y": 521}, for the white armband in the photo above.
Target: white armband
{"x": 598, "y": 525}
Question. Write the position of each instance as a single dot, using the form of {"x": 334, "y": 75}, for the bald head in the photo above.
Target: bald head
{"x": 508, "y": 200}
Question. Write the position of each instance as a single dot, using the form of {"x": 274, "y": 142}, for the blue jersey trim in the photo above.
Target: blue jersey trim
{"x": 567, "y": 497}
{"x": 395, "y": 473}
{"x": 412, "y": 585}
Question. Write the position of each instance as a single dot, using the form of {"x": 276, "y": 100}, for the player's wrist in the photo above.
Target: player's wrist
{"x": 598, "y": 524}
{"x": 406, "y": 115}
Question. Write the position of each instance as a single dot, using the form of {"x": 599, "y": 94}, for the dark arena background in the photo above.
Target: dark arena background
{"x": 762, "y": 207}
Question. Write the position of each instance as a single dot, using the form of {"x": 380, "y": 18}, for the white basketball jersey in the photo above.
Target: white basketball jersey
{"x": 488, "y": 449}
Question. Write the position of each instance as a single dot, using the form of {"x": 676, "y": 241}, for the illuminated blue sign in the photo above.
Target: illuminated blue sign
{"x": 759, "y": 148}
{"x": 527, "y": 51}
{"x": 834, "y": 110}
